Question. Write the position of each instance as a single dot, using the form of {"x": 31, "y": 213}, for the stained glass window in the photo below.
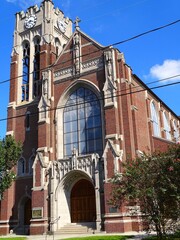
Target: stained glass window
{"x": 82, "y": 123}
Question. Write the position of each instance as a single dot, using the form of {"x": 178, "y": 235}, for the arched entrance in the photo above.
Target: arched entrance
{"x": 83, "y": 204}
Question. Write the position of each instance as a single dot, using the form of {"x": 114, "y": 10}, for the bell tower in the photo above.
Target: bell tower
{"x": 39, "y": 37}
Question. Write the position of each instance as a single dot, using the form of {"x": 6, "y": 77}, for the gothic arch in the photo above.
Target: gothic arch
{"x": 76, "y": 84}
{"x": 166, "y": 125}
{"x": 25, "y": 71}
{"x": 37, "y": 38}
{"x": 58, "y": 46}
{"x": 36, "y": 67}
{"x": 61, "y": 103}
{"x": 30, "y": 164}
{"x": 21, "y": 167}
{"x": 155, "y": 118}
{"x": 63, "y": 195}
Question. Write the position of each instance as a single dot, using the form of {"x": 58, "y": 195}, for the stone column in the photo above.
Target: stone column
{"x": 97, "y": 194}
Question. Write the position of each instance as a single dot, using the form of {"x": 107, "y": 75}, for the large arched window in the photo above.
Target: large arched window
{"x": 167, "y": 128}
{"x": 82, "y": 123}
{"x": 26, "y": 66}
{"x": 155, "y": 120}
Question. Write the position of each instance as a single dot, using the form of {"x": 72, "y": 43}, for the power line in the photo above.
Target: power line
{"x": 163, "y": 79}
{"x": 99, "y": 99}
{"x": 147, "y": 32}
{"x": 103, "y": 48}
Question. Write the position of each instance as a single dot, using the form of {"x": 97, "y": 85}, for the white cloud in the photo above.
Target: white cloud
{"x": 24, "y": 4}
{"x": 168, "y": 69}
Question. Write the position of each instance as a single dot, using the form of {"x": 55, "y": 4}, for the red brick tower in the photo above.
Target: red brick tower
{"x": 39, "y": 36}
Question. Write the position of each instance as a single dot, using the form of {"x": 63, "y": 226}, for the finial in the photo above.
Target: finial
{"x": 76, "y": 22}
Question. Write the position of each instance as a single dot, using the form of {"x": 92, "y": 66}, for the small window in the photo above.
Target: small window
{"x": 58, "y": 47}
{"x": 167, "y": 128}
{"x": 155, "y": 120}
{"x": 21, "y": 167}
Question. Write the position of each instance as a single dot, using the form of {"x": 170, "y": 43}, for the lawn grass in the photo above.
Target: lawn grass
{"x": 175, "y": 236}
{"x": 101, "y": 238}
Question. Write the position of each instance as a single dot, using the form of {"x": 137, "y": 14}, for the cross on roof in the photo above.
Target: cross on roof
{"x": 76, "y": 22}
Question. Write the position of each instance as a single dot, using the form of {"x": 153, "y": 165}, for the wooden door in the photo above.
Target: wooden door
{"x": 83, "y": 205}
{"x": 27, "y": 212}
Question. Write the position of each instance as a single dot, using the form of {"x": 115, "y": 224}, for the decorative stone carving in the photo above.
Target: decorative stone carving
{"x": 86, "y": 164}
{"x": 76, "y": 52}
{"x": 93, "y": 64}
{"x": 74, "y": 158}
{"x": 108, "y": 57}
{"x": 44, "y": 103}
{"x": 110, "y": 83}
{"x": 45, "y": 77}
{"x": 65, "y": 73}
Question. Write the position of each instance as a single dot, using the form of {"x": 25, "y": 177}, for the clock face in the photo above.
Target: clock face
{"x": 61, "y": 25}
{"x": 30, "y": 21}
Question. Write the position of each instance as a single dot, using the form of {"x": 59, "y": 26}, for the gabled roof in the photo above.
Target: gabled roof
{"x": 84, "y": 36}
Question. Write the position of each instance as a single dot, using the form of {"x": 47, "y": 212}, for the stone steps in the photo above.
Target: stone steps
{"x": 74, "y": 228}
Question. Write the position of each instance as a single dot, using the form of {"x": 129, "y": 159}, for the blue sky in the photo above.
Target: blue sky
{"x": 152, "y": 57}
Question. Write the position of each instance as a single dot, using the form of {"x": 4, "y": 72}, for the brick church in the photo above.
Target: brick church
{"x": 79, "y": 112}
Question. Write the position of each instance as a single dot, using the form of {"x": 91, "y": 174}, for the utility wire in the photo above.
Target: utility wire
{"x": 103, "y": 48}
{"x": 147, "y": 32}
{"x": 99, "y": 99}
{"x": 163, "y": 79}
{"x": 149, "y": 83}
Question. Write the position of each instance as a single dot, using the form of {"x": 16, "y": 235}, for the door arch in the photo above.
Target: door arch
{"x": 83, "y": 204}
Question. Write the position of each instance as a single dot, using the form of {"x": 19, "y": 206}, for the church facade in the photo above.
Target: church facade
{"x": 79, "y": 112}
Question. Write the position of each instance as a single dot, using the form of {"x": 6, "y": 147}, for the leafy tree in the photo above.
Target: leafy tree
{"x": 10, "y": 152}
{"x": 152, "y": 182}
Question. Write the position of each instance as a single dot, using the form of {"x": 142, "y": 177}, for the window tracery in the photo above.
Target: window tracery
{"x": 82, "y": 123}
